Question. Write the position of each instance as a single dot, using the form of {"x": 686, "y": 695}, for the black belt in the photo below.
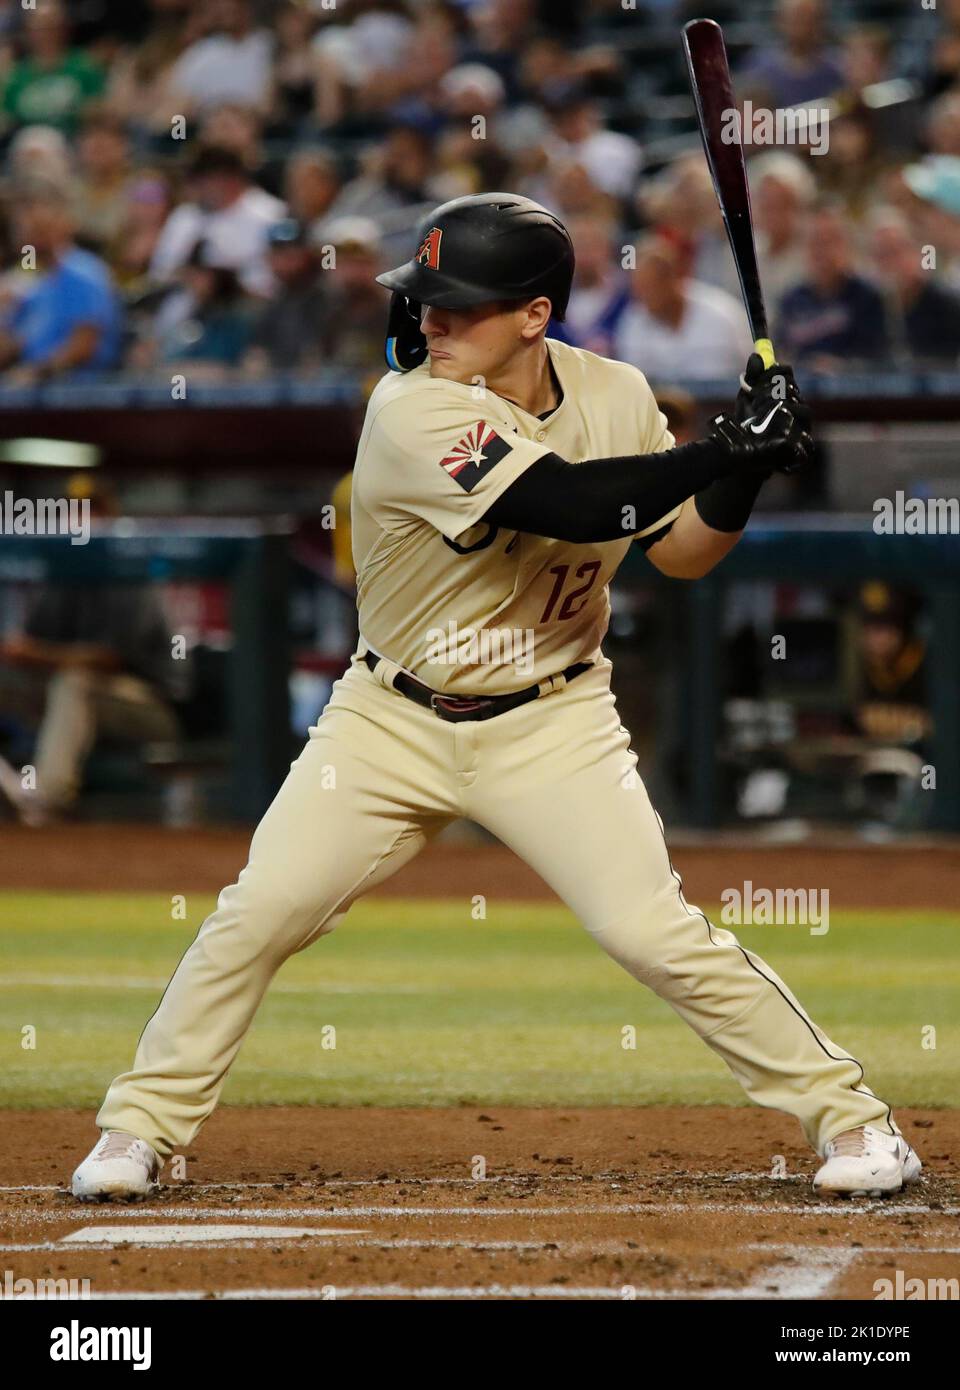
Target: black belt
{"x": 455, "y": 708}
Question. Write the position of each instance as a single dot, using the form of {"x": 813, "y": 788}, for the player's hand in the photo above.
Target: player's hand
{"x": 775, "y": 442}
{"x": 761, "y": 387}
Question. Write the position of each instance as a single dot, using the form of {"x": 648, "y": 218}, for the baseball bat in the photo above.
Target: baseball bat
{"x": 710, "y": 81}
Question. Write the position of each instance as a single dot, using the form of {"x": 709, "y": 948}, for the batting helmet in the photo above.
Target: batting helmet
{"x": 473, "y": 250}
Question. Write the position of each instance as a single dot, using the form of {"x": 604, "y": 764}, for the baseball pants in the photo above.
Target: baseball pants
{"x": 556, "y": 781}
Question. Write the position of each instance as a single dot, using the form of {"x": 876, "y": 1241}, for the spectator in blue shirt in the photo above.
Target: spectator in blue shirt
{"x": 834, "y": 317}
{"x": 65, "y": 317}
{"x": 800, "y": 67}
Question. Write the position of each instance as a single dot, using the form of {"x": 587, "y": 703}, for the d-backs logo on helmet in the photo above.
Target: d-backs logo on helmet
{"x": 429, "y": 252}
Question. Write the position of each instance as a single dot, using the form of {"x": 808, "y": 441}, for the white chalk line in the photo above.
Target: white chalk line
{"x": 218, "y": 1234}
{"x": 779, "y": 1283}
{"x": 788, "y": 1249}
{"x": 607, "y": 1247}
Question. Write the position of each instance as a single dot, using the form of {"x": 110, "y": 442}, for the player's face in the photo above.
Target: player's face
{"x": 477, "y": 342}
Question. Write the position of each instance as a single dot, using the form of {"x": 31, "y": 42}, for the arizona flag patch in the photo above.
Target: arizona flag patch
{"x": 477, "y": 452}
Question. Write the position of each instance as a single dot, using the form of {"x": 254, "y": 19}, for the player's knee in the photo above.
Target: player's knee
{"x": 655, "y": 946}
{"x": 268, "y": 918}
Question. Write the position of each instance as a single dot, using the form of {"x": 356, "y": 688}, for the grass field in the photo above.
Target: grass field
{"x": 432, "y": 1008}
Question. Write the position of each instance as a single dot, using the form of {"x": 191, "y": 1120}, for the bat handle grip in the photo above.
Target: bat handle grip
{"x": 765, "y": 348}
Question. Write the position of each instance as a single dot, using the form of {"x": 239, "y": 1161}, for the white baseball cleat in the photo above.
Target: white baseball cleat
{"x": 865, "y": 1162}
{"x": 118, "y": 1166}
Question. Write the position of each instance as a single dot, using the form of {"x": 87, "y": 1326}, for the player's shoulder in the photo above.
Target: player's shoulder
{"x": 579, "y": 368}
{"x": 416, "y": 398}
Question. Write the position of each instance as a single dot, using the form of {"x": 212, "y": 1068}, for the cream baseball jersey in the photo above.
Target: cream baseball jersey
{"x": 466, "y": 607}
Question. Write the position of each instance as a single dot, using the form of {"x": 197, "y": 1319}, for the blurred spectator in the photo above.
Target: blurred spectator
{"x": 240, "y": 129}
{"x": 943, "y": 125}
{"x": 66, "y": 319}
{"x": 924, "y": 315}
{"x": 233, "y": 64}
{"x": 396, "y": 188}
{"x": 676, "y": 329}
{"x": 783, "y": 191}
{"x": 139, "y": 89}
{"x": 801, "y": 67}
{"x": 146, "y": 206}
{"x": 572, "y": 193}
{"x": 471, "y": 157}
{"x": 577, "y": 136}
{"x": 350, "y": 57}
{"x": 53, "y": 82}
{"x": 933, "y": 186}
{"x": 941, "y": 68}
{"x": 500, "y": 33}
{"x": 289, "y": 332}
{"x": 40, "y": 152}
{"x": 891, "y": 699}
{"x": 93, "y": 661}
{"x": 850, "y": 172}
{"x": 103, "y": 157}
{"x": 408, "y": 92}
{"x": 207, "y": 321}
{"x": 226, "y": 212}
{"x": 866, "y": 56}
{"x": 601, "y": 290}
{"x": 294, "y": 67}
{"x": 681, "y": 206}
{"x": 356, "y": 305}
{"x": 311, "y": 184}
{"x": 834, "y": 318}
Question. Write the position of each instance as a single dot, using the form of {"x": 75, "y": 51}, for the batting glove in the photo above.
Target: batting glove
{"x": 774, "y": 442}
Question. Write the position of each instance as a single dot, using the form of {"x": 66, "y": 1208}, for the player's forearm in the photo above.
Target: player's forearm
{"x": 691, "y": 548}
{"x": 606, "y": 499}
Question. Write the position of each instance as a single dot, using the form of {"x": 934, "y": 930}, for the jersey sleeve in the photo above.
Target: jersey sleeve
{"x": 655, "y": 439}
{"x": 443, "y": 458}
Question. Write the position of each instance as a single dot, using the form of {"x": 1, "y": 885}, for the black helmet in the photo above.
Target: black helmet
{"x": 473, "y": 250}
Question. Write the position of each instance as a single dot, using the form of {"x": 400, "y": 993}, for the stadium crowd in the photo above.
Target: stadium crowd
{"x": 217, "y": 184}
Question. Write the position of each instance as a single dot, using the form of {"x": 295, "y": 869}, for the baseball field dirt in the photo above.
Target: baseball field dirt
{"x": 662, "y": 1202}
{"x": 655, "y": 1202}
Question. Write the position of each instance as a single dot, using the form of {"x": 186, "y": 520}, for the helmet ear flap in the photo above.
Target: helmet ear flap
{"x": 406, "y": 347}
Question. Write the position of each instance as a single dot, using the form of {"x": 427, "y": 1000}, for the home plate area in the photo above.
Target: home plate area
{"x": 672, "y": 1203}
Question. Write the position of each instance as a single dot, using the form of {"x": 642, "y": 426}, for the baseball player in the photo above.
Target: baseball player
{"x": 501, "y": 477}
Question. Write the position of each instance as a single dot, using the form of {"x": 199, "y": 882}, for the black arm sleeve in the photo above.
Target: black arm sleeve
{"x": 726, "y": 504}
{"x": 588, "y": 501}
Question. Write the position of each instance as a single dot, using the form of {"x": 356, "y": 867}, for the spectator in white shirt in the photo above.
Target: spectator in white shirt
{"x": 228, "y": 214}
{"x": 233, "y": 64}
{"x": 677, "y": 329}
{"x": 577, "y": 136}
{"x": 784, "y": 191}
